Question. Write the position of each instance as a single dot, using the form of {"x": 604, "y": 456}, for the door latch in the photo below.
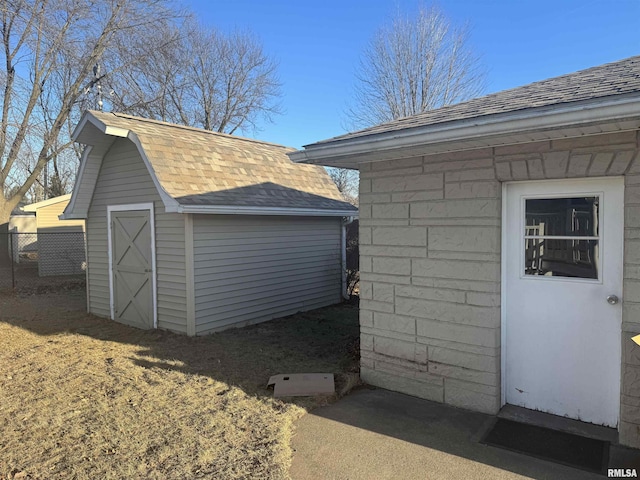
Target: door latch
{"x": 612, "y": 299}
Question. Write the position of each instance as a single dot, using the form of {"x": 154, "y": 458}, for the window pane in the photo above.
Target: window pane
{"x": 562, "y": 216}
{"x": 561, "y": 258}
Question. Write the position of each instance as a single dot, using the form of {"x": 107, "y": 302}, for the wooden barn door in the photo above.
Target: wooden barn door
{"x": 132, "y": 267}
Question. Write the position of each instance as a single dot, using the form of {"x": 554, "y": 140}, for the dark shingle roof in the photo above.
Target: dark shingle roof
{"x": 615, "y": 78}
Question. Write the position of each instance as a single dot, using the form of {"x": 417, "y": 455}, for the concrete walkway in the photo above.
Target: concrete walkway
{"x": 378, "y": 434}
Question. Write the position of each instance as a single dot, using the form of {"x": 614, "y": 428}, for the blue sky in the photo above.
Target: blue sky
{"x": 318, "y": 44}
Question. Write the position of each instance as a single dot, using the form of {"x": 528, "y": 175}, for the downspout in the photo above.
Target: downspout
{"x": 346, "y": 221}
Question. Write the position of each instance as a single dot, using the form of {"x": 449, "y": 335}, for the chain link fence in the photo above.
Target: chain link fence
{"x": 42, "y": 261}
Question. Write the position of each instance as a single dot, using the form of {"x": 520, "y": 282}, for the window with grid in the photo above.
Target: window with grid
{"x": 561, "y": 237}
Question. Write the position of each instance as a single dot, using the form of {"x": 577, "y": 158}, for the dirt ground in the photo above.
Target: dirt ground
{"x": 27, "y": 280}
{"x": 84, "y": 397}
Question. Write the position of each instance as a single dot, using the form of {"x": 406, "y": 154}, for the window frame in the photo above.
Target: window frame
{"x": 523, "y": 237}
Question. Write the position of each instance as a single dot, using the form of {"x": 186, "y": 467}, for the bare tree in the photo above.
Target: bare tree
{"x": 154, "y": 87}
{"x": 49, "y": 49}
{"x": 211, "y": 80}
{"x": 412, "y": 65}
{"x": 347, "y": 183}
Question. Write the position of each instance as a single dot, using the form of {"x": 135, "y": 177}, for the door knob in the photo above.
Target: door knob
{"x": 613, "y": 299}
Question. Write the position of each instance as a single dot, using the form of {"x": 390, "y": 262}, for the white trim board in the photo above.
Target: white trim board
{"x": 154, "y": 281}
{"x": 86, "y": 270}
{"x": 190, "y": 274}
{"x": 546, "y": 119}
{"x": 267, "y": 211}
{"x": 503, "y": 300}
{"x": 76, "y": 186}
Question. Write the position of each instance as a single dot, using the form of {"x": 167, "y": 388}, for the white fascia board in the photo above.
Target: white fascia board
{"x": 102, "y": 127}
{"x": 80, "y": 126}
{"x": 542, "y": 118}
{"x": 88, "y": 117}
{"x": 68, "y": 213}
{"x": 169, "y": 202}
{"x": 116, "y": 131}
{"x": 234, "y": 210}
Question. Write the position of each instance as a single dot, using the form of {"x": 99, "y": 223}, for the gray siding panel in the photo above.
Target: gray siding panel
{"x": 124, "y": 179}
{"x": 91, "y": 170}
{"x": 252, "y": 269}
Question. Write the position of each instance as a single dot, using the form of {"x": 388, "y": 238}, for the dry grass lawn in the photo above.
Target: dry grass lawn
{"x": 83, "y": 397}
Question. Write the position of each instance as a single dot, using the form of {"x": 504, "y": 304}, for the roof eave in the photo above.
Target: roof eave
{"x": 71, "y": 216}
{"x": 271, "y": 211}
{"x": 352, "y": 151}
{"x": 87, "y": 136}
{"x": 32, "y": 207}
{"x": 89, "y": 118}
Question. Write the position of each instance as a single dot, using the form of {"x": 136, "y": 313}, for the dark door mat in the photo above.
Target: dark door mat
{"x": 560, "y": 447}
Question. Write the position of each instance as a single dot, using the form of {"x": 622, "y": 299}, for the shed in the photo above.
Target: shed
{"x": 47, "y": 213}
{"x": 500, "y": 248}
{"x": 22, "y": 222}
{"x": 19, "y": 222}
{"x": 194, "y": 231}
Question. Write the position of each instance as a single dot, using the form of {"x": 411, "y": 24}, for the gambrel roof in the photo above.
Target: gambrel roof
{"x": 201, "y": 171}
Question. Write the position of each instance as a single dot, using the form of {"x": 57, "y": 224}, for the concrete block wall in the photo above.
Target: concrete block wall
{"x": 430, "y": 265}
{"x": 430, "y": 278}
{"x": 629, "y": 428}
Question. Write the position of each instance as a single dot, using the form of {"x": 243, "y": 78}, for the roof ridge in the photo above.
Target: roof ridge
{"x": 193, "y": 129}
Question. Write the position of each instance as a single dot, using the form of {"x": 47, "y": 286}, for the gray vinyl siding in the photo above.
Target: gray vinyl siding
{"x": 90, "y": 170}
{"x": 124, "y": 179}
{"x": 252, "y": 269}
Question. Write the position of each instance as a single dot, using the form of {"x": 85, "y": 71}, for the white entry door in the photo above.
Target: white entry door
{"x": 563, "y": 288}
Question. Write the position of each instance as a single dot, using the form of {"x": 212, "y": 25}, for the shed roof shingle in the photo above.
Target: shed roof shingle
{"x": 199, "y": 167}
{"x": 615, "y": 78}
